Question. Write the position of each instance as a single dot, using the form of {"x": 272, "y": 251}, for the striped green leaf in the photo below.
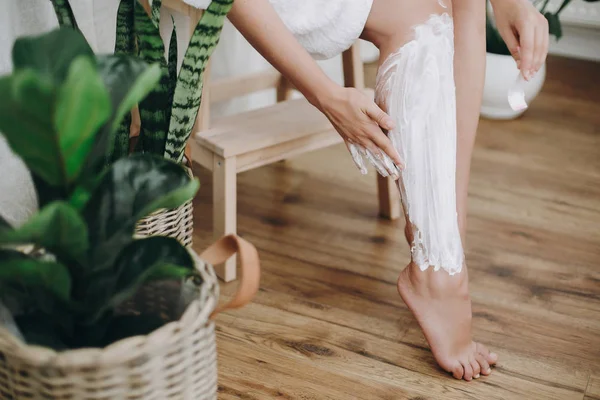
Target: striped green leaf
{"x": 64, "y": 13}
{"x": 188, "y": 90}
{"x": 173, "y": 58}
{"x": 155, "y": 109}
{"x": 124, "y": 44}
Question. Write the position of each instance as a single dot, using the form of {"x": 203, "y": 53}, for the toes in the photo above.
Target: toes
{"x": 481, "y": 349}
{"x": 457, "y": 371}
{"x": 483, "y": 364}
{"x": 491, "y": 358}
{"x": 468, "y": 371}
{"x": 475, "y": 367}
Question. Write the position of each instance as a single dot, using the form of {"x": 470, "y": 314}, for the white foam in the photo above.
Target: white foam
{"x": 415, "y": 85}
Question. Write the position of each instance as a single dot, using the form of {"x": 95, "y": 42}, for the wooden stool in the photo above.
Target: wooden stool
{"x": 233, "y": 144}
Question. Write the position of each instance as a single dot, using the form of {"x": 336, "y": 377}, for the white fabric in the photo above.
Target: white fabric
{"x": 17, "y": 197}
{"x": 324, "y": 27}
{"x": 201, "y": 4}
{"x": 416, "y": 86}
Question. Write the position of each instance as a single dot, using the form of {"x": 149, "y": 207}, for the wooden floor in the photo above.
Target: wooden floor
{"x": 328, "y": 322}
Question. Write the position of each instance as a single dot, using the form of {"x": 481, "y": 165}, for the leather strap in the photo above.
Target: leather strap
{"x": 249, "y": 278}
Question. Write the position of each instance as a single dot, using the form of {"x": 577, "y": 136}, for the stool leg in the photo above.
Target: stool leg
{"x": 224, "y": 209}
{"x": 389, "y": 198}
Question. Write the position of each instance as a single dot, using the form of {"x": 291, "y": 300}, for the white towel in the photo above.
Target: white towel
{"x": 324, "y": 27}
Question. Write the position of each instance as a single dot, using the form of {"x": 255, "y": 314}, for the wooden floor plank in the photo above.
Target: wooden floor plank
{"x": 328, "y": 323}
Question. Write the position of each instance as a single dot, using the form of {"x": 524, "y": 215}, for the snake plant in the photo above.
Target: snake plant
{"x": 168, "y": 113}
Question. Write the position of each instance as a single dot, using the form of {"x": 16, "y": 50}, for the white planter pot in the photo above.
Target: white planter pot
{"x": 500, "y": 75}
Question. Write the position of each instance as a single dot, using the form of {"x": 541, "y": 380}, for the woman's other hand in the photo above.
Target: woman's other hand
{"x": 525, "y": 32}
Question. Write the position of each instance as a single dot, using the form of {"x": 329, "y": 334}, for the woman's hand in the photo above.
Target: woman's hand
{"x": 525, "y": 32}
{"x": 360, "y": 122}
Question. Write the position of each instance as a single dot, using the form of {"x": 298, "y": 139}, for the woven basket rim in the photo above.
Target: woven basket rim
{"x": 117, "y": 352}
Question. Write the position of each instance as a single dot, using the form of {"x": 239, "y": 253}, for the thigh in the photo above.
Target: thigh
{"x": 469, "y": 74}
{"x": 390, "y": 23}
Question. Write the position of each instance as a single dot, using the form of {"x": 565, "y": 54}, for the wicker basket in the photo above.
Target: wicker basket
{"x": 176, "y": 362}
{"x": 177, "y": 222}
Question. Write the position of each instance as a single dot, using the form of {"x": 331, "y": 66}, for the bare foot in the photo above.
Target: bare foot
{"x": 442, "y": 306}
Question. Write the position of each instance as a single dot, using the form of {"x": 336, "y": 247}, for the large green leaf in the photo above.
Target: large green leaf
{"x": 151, "y": 258}
{"x": 82, "y": 106}
{"x": 41, "y": 329}
{"x": 17, "y": 268}
{"x": 124, "y": 326}
{"x": 57, "y": 227}
{"x": 52, "y": 53}
{"x": 26, "y": 108}
{"x": 188, "y": 90}
{"x": 131, "y": 189}
{"x": 155, "y": 109}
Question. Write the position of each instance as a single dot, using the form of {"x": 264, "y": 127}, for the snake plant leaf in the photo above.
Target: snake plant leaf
{"x": 124, "y": 44}
{"x": 125, "y": 37}
{"x": 82, "y": 107}
{"x": 172, "y": 62}
{"x": 17, "y": 268}
{"x": 155, "y": 109}
{"x": 188, "y": 90}
{"x": 155, "y": 12}
{"x": 130, "y": 80}
{"x": 51, "y": 54}
{"x": 132, "y": 188}
{"x": 64, "y": 13}
{"x": 26, "y": 108}
{"x": 554, "y": 25}
{"x": 57, "y": 228}
{"x": 142, "y": 260}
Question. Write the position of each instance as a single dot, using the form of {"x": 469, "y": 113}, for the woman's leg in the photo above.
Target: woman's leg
{"x": 439, "y": 301}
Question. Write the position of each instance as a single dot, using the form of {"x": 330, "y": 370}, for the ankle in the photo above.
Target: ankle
{"x": 434, "y": 282}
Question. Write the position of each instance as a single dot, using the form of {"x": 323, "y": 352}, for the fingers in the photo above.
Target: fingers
{"x": 538, "y": 52}
{"x": 382, "y": 162}
{"x": 357, "y": 157}
{"x": 542, "y": 42}
{"x": 513, "y": 45}
{"x": 384, "y": 143}
{"x": 380, "y": 117}
{"x": 526, "y": 42}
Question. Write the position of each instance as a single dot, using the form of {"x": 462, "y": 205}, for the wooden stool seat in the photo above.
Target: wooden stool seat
{"x": 266, "y": 135}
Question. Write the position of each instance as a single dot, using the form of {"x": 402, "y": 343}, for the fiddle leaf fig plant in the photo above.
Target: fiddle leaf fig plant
{"x": 60, "y": 110}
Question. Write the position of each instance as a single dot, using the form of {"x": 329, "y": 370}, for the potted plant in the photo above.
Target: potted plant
{"x": 88, "y": 310}
{"x": 163, "y": 121}
{"x": 501, "y": 70}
